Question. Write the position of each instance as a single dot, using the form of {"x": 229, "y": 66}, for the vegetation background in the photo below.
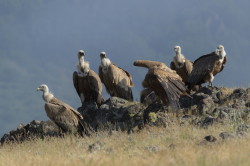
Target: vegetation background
{"x": 175, "y": 146}
{"x": 39, "y": 41}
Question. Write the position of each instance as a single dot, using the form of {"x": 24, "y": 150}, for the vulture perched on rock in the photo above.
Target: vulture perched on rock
{"x": 117, "y": 81}
{"x": 167, "y": 85}
{"x": 66, "y": 117}
{"x": 206, "y": 67}
{"x": 86, "y": 82}
{"x": 182, "y": 66}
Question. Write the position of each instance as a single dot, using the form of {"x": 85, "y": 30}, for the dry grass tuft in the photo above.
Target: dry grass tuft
{"x": 176, "y": 145}
{"x": 227, "y": 91}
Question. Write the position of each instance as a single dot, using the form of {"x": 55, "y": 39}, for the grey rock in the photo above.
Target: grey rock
{"x": 116, "y": 102}
{"x": 188, "y": 119}
{"x": 49, "y": 128}
{"x": 208, "y": 121}
{"x": 149, "y": 97}
{"x": 227, "y": 135}
{"x": 88, "y": 110}
{"x": 105, "y": 107}
{"x": 213, "y": 92}
{"x": 204, "y": 102}
{"x": 239, "y": 94}
{"x": 35, "y": 129}
{"x": 95, "y": 146}
{"x": 206, "y": 105}
{"x": 238, "y": 103}
{"x": 20, "y": 126}
{"x": 221, "y": 114}
{"x": 116, "y": 114}
{"x": 210, "y": 138}
{"x": 156, "y": 115}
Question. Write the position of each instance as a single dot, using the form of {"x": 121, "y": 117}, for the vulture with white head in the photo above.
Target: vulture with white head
{"x": 167, "y": 85}
{"x": 206, "y": 67}
{"x": 86, "y": 82}
{"x": 180, "y": 64}
{"x": 66, "y": 117}
{"x": 117, "y": 81}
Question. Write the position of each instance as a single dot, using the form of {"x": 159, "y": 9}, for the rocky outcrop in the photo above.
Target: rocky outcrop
{"x": 204, "y": 108}
{"x": 33, "y": 130}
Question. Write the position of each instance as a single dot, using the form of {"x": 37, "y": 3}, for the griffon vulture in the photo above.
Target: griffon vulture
{"x": 180, "y": 64}
{"x": 167, "y": 85}
{"x": 86, "y": 82}
{"x": 117, "y": 81}
{"x": 66, "y": 117}
{"x": 206, "y": 67}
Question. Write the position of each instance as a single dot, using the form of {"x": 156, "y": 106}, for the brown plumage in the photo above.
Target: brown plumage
{"x": 184, "y": 71}
{"x": 117, "y": 81}
{"x": 66, "y": 117}
{"x": 167, "y": 85}
{"x": 182, "y": 66}
{"x": 206, "y": 67}
{"x": 87, "y": 83}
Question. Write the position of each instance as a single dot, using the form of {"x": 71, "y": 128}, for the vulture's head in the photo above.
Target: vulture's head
{"x": 220, "y": 50}
{"x": 47, "y": 95}
{"x": 177, "y": 49}
{"x": 105, "y": 62}
{"x": 43, "y": 88}
{"x": 103, "y": 55}
{"x": 80, "y": 54}
{"x": 179, "y": 59}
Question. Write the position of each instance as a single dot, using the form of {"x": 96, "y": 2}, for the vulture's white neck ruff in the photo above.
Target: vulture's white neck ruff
{"x": 81, "y": 60}
{"x": 179, "y": 60}
{"x": 177, "y": 50}
{"x": 221, "y": 55}
{"x": 105, "y": 62}
{"x": 47, "y": 95}
{"x": 82, "y": 67}
{"x": 80, "y": 64}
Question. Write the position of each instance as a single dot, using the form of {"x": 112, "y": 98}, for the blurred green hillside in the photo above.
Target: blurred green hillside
{"x": 39, "y": 41}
